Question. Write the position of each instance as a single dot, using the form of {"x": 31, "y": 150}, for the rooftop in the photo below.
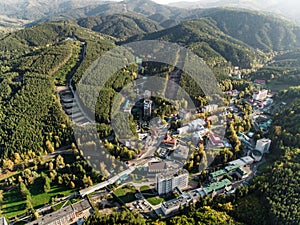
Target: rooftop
{"x": 181, "y": 200}
{"x": 217, "y": 186}
{"x": 247, "y": 159}
{"x": 3, "y": 221}
{"x": 171, "y": 174}
{"x": 65, "y": 214}
{"x": 217, "y": 173}
{"x": 157, "y": 166}
{"x": 214, "y": 138}
{"x": 231, "y": 167}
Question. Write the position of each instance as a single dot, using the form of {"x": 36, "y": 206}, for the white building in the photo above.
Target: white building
{"x": 147, "y": 94}
{"x": 210, "y": 108}
{"x": 246, "y": 160}
{"x": 192, "y": 126}
{"x": 174, "y": 205}
{"x": 260, "y": 95}
{"x": 3, "y": 221}
{"x": 147, "y": 107}
{"x": 263, "y": 145}
{"x": 166, "y": 183}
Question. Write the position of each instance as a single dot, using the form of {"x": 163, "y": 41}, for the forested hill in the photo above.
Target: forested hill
{"x": 209, "y": 42}
{"x": 33, "y": 61}
{"x": 281, "y": 183}
{"x": 123, "y": 19}
{"x": 254, "y": 28}
{"x": 120, "y": 25}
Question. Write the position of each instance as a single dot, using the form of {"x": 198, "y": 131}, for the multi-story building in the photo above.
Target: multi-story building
{"x": 166, "y": 183}
{"x": 147, "y": 107}
{"x": 260, "y": 95}
{"x": 3, "y": 221}
{"x": 263, "y": 145}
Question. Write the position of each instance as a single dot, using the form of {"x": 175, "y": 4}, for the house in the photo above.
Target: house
{"x": 260, "y": 95}
{"x": 192, "y": 126}
{"x": 169, "y": 141}
{"x": 167, "y": 182}
{"x": 240, "y": 171}
{"x": 147, "y": 107}
{"x": 215, "y": 141}
{"x": 260, "y": 81}
{"x": 212, "y": 119}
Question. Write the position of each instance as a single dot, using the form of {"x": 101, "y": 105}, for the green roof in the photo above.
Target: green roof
{"x": 231, "y": 168}
{"x": 217, "y": 186}
{"x": 218, "y": 173}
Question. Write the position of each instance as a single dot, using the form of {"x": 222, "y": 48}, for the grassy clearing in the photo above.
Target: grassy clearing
{"x": 126, "y": 193}
{"x": 155, "y": 200}
{"x": 39, "y": 198}
{"x": 145, "y": 190}
{"x": 13, "y": 204}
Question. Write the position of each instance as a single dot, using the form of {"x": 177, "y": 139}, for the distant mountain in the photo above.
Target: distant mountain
{"x": 254, "y": 28}
{"x": 120, "y": 25}
{"x": 17, "y": 13}
{"x": 137, "y": 17}
{"x": 288, "y": 9}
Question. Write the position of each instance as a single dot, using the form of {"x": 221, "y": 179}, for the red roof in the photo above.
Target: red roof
{"x": 214, "y": 138}
{"x": 260, "y": 81}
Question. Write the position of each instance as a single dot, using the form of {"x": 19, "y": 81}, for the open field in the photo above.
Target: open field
{"x": 126, "y": 193}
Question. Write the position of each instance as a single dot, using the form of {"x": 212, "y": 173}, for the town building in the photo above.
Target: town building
{"x": 243, "y": 161}
{"x": 256, "y": 155}
{"x": 147, "y": 94}
{"x": 212, "y": 119}
{"x": 260, "y": 81}
{"x": 218, "y": 186}
{"x": 169, "y": 141}
{"x": 184, "y": 114}
{"x": 263, "y": 145}
{"x": 174, "y": 205}
{"x": 66, "y": 215}
{"x": 167, "y": 182}
{"x": 3, "y": 221}
{"x": 260, "y": 95}
{"x": 147, "y": 107}
{"x": 192, "y": 126}
{"x": 210, "y": 108}
{"x": 214, "y": 141}
{"x": 157, "y": 167}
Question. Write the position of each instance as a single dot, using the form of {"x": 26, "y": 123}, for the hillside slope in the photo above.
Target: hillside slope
{"x": 209, "y": 42}
{"x": 120, "y": 25}
{"x": 256, "y": 29}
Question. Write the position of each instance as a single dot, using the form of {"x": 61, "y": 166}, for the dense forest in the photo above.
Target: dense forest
{"x": 35, "y": 60}
{"x": 204, "y": 34}
{"x": 120, "y": 25}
